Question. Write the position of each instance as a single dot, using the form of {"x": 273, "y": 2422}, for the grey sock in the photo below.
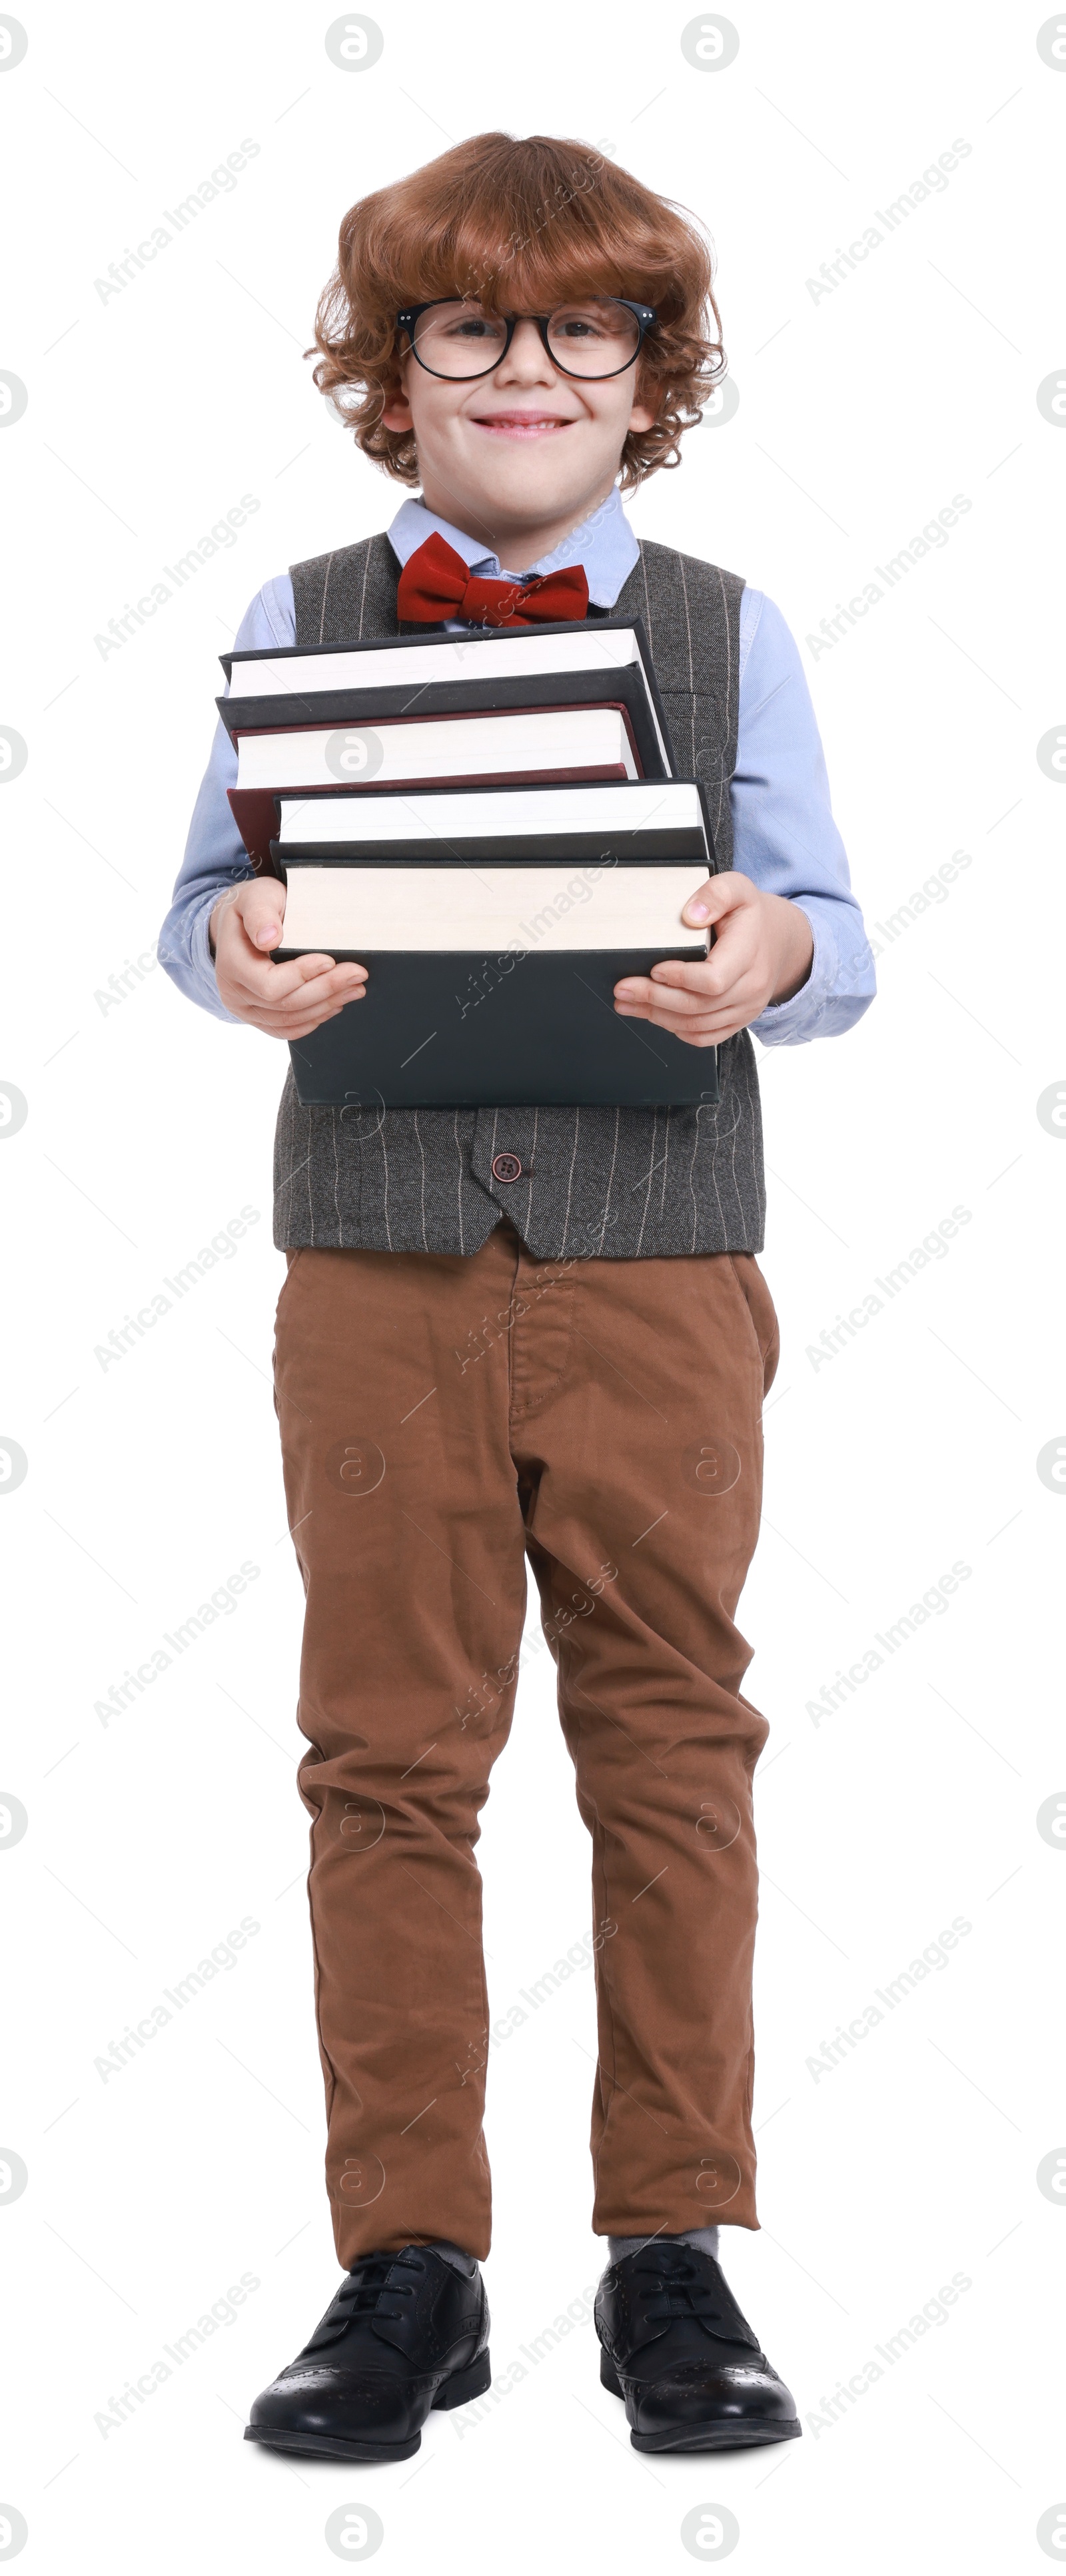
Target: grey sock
{"x": 706, "y": 2238}
{"x": 453, "y": 2254}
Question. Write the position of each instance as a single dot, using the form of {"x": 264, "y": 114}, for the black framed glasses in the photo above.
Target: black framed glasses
{"x": 460, "y": 339}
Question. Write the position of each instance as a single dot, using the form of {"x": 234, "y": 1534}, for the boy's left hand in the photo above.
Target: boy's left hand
{"x": 762, "y": 953}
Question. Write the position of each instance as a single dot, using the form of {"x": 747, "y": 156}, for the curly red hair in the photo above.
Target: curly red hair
{"x": 522, "y": 225}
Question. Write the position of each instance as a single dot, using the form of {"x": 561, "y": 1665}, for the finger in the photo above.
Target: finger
{"x": 703, "y": 1031}
{"x": 321, "y": 993}
{"x": 314, "y": 978}
{"x": 314, "y": 965}
{"x": 711, "y": 977}
{"x": 259, "y": 906}
{"x": 698, "y": 1032}
{"x": 295, "y": 1021}
{"x": 688, "y": 1032}
{"x": 732, "y": 957}
{"x": 291, "y": 1033}
{"x": 726, "y": 893}
{"x": 680, "y": 999}
{"x": 264, "y": 930}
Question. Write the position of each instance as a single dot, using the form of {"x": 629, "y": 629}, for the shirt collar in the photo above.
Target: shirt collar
{"x": 604, "y": 543}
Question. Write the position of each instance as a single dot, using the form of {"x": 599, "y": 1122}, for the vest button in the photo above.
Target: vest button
{"x": 506, "y": 1167}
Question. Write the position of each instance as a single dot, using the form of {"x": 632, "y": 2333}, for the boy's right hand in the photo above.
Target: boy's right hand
{"x": 285, "y": 1001}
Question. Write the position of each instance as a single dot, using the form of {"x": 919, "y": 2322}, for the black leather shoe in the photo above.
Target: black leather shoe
{"x": 404, "y": 2333}
{"x": 676, "y": 2347}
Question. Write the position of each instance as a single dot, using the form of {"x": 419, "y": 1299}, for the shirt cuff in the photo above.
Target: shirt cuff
{"x": 203, "y": 964}
{"x": 789, "y": 1023}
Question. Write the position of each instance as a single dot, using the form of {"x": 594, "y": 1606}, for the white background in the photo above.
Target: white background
{"x": 150, "y": 1482}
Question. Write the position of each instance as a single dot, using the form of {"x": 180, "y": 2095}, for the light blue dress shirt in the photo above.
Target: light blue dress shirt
{"x": 784, "y": 836}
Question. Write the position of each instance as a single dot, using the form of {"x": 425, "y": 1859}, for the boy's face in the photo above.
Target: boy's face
{"x": 522, "y": 449}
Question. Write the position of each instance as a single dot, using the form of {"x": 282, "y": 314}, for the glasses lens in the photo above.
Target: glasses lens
{"x": 593, "y": 339}
{"x": 459, "y": 339}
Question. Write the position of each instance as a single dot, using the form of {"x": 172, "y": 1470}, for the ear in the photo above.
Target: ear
{"x": 643, "y": 415}
{"x": 397, "y": 413}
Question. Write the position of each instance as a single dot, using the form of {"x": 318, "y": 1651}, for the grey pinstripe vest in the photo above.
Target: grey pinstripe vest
{"x": 609, "y": 1182}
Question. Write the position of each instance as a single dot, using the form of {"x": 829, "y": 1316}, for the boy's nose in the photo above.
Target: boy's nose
{"x": 527, "y": 357}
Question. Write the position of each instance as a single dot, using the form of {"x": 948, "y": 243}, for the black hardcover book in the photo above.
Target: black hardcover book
{"x": 529, "y": 747}
{"x": 603, "y": 661}
{"x": 494, "y": 925}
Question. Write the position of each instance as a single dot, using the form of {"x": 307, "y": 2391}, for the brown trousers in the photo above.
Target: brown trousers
{"x": 442, "y": 1419}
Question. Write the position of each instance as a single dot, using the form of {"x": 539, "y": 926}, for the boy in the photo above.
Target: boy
{"x": 533, "y": 1332}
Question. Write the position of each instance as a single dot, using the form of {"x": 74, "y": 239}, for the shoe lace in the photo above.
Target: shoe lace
{"x": 676, "y": 2288}
{"x": 372, "y": 2279}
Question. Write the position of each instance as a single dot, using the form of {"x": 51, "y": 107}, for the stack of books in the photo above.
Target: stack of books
{"x": 493, "y": 827}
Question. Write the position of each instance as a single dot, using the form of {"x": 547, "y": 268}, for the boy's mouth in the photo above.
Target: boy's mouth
{"x": 520, "y": 424}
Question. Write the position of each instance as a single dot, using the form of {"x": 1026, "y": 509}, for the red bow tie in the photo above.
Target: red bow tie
{"x": 435, "y": 584}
